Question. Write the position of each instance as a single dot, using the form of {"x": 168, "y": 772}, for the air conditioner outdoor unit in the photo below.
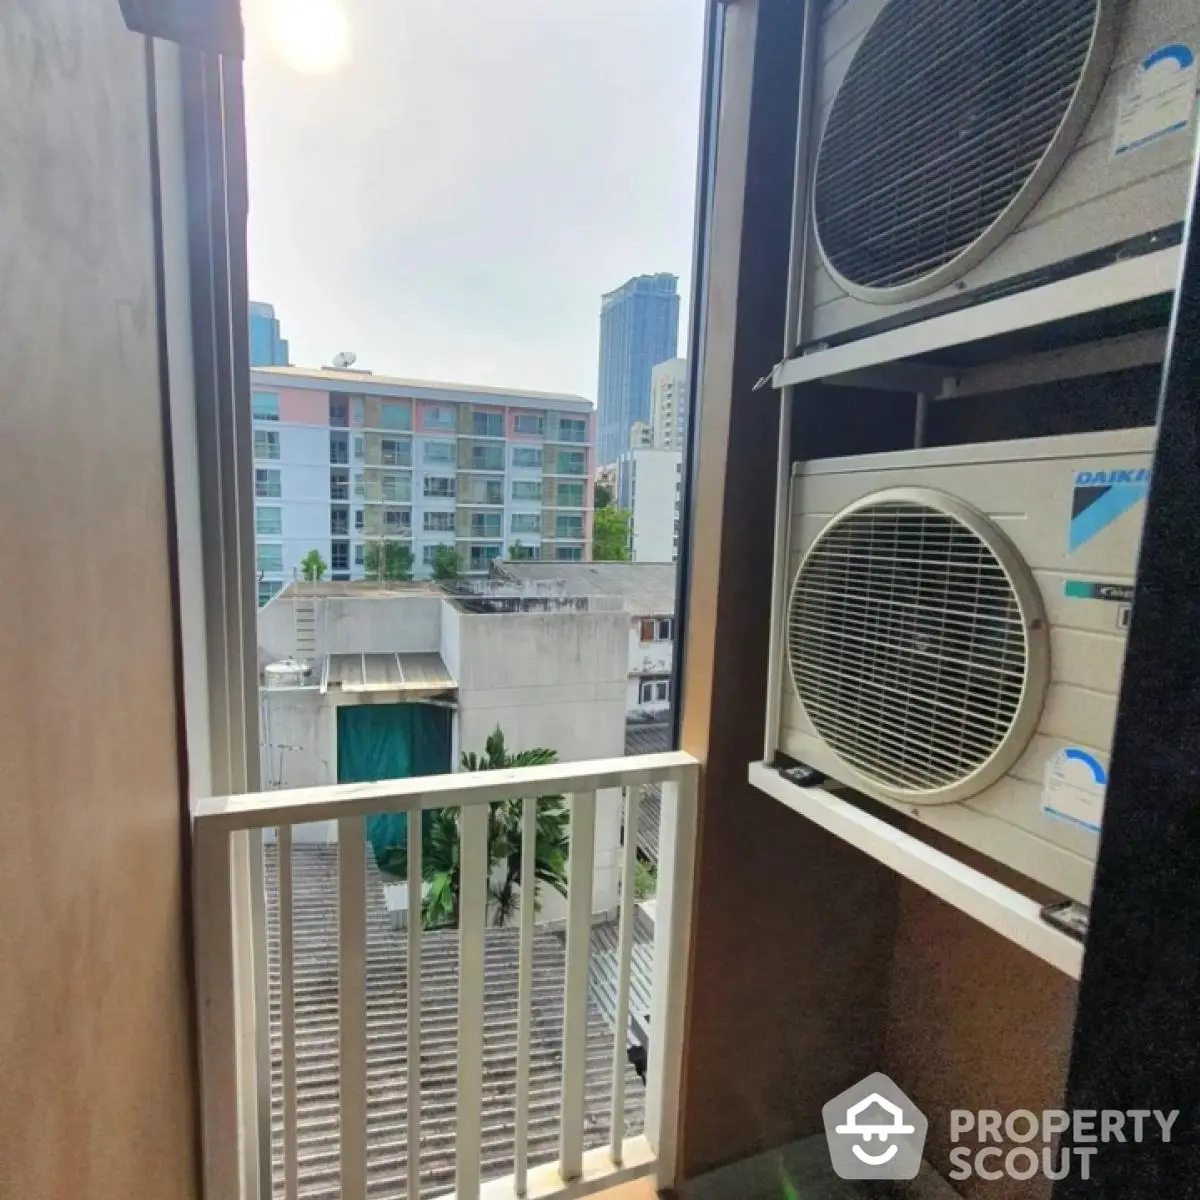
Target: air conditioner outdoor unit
{"x": 955, "y": 632}
{"x": 966, "y": 146}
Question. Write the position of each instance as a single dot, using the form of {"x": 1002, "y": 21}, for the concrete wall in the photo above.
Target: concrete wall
{"x": 298, "y": 745}
{"x": 356, "y": 625}
{"x": 553, "y": 680}
{"x": 97, "y": 1078}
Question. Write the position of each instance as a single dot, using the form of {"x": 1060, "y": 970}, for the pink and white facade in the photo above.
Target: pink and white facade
{"x": 347, "y": 458}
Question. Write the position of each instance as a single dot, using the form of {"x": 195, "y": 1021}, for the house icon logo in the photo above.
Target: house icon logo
{"x": 875, "y": 1131}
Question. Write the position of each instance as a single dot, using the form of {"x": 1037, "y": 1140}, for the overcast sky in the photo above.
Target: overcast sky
{"x": 452, "y": 201}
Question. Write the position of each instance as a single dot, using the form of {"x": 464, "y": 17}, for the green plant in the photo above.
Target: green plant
{"x": 447, "y": 563}
{"x": 388, "y": 560}
{"x": 645, "y": 880}
{"x": 313, "y": 566}
{"x": 610, "y": 535}
{"x": 604, "y": 496}
{"x": 440, "y": 852}
{"x": 518, "y": 550}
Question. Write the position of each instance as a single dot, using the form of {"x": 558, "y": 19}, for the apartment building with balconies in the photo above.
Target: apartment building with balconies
{"x": 344, "y": 459}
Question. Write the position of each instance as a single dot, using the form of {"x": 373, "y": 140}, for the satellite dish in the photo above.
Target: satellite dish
{"x": 347, "y": 358}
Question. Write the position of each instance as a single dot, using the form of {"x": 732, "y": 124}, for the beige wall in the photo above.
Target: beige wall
{"x": 96, "y": 1078}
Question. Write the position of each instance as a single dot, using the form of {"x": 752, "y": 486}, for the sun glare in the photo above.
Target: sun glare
{"x": 311, "y": 36}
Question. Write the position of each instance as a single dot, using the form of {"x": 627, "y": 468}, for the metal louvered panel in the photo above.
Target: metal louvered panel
{"x": 951, "y": 121}
{"x": 918, "y": 645}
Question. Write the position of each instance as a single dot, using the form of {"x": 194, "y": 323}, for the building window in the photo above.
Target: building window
{"x": 436, "y": 522}
{"x": 359, "y": 554}
{"x": 270, "y": 557}
{"x": 360, "y": 486}
{"x": 484, "y": 491}
{"x": 654, "y": 691}
{"x": 526, "y": 523}
{"x": 439, "y": 417}
{"x": 530, "y": 423}
{"x": 439, "y": 452}
{"x": 264, "y": 406}
{"x": 339, "y": 485}
{"x": 568, "y": 527}
{"x": 359, "y": 520}
{"x": 339, "y": 522}
{"x": 395, "y": 452}
{"x": 526, "y": 490}
{"x": 530, "y": 553}
{"x": 527, "y": 456}
{"x": 358, "y": 449}
{"x": 571, "y": 462}
{"x": 268, "y": 589}
{"x": 568, "y": 553}
{"x": 357, "y": 407}
{"x": 486, "y": 525}
{"x": 267, "y": 484}
{"x": 397, "y": 520}
{"x": 268, "y": 522}
{"x": 339, "y": 411}
{"x": 572, "y": 429}
{"x": 487, "y": 424}
{"x": 266, "y": 443}
{"x": 658, "y": 629}
{"x": 482, "y": 557}
{"x": 339, "y": 556}
{"x": 395, "y": 416}
{"x": 570, "y": 495}
{"x": 440, "y": 485}
{"x": 339, "y": 449}
{"x": 428, "y": 554}
{"x": 397, "y": 488}
{"x": 487, "y": 458}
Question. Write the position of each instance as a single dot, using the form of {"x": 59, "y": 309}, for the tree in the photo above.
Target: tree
{"x": 313, "y": 566}
{"x": 447, "y": 563}
{"x": 440, "y": 854}
{"x": 610, "y": 535}
{"x": 604, "y": 496}
{"x": 518, "y": 550}
{"x": 396, "y": 559}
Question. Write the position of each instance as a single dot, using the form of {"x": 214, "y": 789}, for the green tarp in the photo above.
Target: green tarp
{"x": 391, "y": 741}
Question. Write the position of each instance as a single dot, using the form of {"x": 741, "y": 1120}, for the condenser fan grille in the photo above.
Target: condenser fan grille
{"x": 907, "y": 645}
{"x": 946, "y": 110}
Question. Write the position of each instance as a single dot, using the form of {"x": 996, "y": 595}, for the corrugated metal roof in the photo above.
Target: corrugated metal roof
{"x": 648, "y": 737}
{"x": 605, "y": 975}
{"x": 648, "y": 589}
{"x": 423, "y": 673}
{"x": 315, "y": 919}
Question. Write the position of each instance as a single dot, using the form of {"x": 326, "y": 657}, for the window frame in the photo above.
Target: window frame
{"x": 277, "y": 510}
{"x": 452, "y": 494}
{"x": 270, "y": 439}
{"x": 516, "y": 483}
{"x": 535, "y": 451}
{"x": 259, "y": 482}
{"x": 539, "y": 420}
{"x": 255, "y": 412}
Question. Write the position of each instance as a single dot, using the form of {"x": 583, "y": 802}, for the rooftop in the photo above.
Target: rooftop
{"x": 647, "y": 589}
{"x": 315, "y": 917}
{"x": 367, "y": 383}
{"x": 326, "y": 589}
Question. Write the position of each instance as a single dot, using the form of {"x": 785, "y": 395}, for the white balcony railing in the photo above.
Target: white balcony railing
{"x": 234, "y": 1015}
